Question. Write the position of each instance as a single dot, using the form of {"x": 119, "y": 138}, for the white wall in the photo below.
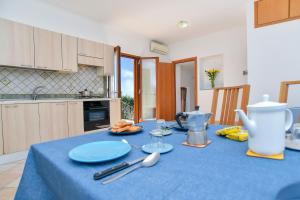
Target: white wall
{"x": 273, "y": 56}
{"x": 230, "y": 43}
{"x": 39, "y": 14}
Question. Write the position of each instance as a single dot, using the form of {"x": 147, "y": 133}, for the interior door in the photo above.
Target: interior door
{"x": 147, "y": 88}
{"x": 166, "y": 94}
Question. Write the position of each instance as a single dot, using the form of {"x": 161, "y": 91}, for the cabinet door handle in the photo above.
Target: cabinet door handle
{"x": 41, "y": 67}
{"x": 60, "y": 104}
{"x": 22, "y": 65}
{"x": 73, "y": 102}
{"x": 82, "y": 54}
{"x": 11, "y": 106}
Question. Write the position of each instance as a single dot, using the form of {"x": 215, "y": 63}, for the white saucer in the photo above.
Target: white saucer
{"x": 292, "y": 144}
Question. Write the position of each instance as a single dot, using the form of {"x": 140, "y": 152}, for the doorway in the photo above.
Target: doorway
{"x": 186, "y": 83}
{"x": 137, "y": 82}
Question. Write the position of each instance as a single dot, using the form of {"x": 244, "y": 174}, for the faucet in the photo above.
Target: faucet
{"x": 34, "y": 94}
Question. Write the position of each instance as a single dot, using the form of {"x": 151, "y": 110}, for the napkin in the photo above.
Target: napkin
{"x": 234, "y": 133}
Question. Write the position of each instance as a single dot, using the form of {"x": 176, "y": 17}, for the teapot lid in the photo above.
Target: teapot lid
{"x": 267, "y": 105}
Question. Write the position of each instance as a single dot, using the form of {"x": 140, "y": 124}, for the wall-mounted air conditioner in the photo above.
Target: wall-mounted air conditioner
{"x": 159, "y": 48}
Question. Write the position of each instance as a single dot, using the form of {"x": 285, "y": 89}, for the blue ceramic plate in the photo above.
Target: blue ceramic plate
{"x": 95, "y": 152}
{"x": 126, "y": 132}
{"x": 150, "y": 148}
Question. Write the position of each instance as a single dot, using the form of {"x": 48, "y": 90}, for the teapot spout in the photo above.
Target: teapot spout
{"x": 249, "y": 124}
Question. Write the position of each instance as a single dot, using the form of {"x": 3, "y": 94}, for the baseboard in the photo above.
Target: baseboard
{"x": 13, "y": 157}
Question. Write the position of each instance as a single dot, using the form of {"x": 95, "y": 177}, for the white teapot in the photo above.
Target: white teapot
{"x": 267, "y": 122}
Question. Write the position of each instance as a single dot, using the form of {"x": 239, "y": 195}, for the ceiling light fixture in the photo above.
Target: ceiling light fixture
{"x": 183, "y": 24}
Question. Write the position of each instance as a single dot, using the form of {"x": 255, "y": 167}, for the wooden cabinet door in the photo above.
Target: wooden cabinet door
{"x": 48, "y": 54}
{"x": 16, "y": 44}
{"x": 294, "y": 8}
{"x": 90, "y": 48}
{"x": 108, "y": 60}
{"x": 75, "y": 118}
{"x": 1, "y": 133}
{"x": 69, "y": 53}
{"x": 115, "y": 111}
{"x": 269, "y": 11}
{"x": 53, "y": 120}
{"x": 20, "y": 126}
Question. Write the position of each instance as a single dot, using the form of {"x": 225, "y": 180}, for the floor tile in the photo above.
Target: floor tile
{"x": 8, "y": 193}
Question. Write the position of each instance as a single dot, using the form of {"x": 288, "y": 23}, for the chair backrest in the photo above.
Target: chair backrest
{"x": 284, "y": 90}
{"x": 229, "y": 103}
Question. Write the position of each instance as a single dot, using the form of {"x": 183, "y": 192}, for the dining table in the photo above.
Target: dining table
{"x": 222, "y": 170}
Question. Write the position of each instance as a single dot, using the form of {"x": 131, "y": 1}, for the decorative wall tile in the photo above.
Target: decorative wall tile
{"x": 23, "y": 81}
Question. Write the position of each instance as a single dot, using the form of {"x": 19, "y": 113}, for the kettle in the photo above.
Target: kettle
{"x": 267, "y": 122}
{"x": 196, "y": 123}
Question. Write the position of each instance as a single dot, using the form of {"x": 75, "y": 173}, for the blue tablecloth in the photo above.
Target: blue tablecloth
{"x": 220, "y": 171}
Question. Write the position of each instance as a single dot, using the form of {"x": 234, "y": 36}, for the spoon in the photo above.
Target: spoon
{"x": 149, "y": 161}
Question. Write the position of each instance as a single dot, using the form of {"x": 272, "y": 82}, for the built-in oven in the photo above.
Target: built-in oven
{"x": 96, "y": 115}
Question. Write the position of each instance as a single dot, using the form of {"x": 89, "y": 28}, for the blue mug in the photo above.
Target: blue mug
{"x": 296, "y": 115}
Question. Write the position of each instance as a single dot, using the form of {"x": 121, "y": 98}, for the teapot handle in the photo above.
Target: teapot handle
{"x": 289, "y": 119}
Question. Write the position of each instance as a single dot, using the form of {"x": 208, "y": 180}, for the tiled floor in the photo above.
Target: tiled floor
{"x": 10, "y": 175}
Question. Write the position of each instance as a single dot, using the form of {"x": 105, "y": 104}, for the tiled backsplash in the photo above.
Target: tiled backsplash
{"x": 23, "y": 81}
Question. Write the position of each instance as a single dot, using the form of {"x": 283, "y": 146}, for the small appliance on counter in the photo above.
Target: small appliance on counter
{"x": 267, "y": 123}
{"x": 96, "y": 115}
{"x": 86, "y": 93}
{"x": 196, "y": 123}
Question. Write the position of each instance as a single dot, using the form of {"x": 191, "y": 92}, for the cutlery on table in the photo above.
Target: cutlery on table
{"x": 149, "y": 161}
{"x": 114, "y": 169}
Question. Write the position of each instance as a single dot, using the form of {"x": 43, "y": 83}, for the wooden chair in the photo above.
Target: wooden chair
{"x": 284, "y": 90}
{"x": 183, "y": 98}
{"x": 229, "y": 103}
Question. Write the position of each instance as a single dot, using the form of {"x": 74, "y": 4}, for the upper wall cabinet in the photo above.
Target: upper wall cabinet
{"x": 48, "y": 54}
{"x": 17, "y": 47}
{"x": 90, "y": 48}
{"x": 108, "y": 60}
{"x": 295, "y": 8}
{"x": 269, "y": 12}
{"x": 69, "y": 53}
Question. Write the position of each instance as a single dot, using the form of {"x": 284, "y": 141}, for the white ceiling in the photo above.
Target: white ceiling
{"x": 157, "y": 19}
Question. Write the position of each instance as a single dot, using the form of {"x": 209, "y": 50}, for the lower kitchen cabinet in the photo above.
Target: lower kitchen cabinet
{"x": 115, "y": 111}
{"x": 20, "y": 126}
{"x": 1, "y": 135}
{"x": 53, "y": 120}
{"x": 75, "y": 118}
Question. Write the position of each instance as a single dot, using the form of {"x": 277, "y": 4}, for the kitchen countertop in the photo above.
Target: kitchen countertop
{"x": 50, "y": 100}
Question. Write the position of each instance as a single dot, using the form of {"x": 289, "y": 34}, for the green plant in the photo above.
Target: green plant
{"x": 212, "y": 75}
{"x": 127, "y": 107}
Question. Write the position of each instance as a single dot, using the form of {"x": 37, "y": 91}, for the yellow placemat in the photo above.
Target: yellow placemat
{"x": 276, "y": 157}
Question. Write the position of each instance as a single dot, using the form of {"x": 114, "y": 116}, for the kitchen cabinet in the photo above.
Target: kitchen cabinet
{"x": 108, "y": 60}
{"x": 270, "y": 11}
{"x": 90, "y": 48}
{"x": 69, "y": 53}
{"x": 115, "y": 111}
{"x": 84, "y": 60}
{"x": 20, "y": 123}
{"x": 48, "y": 51}
{"x": 17, "y": 47}
{"x": 75, "y": 118}
{"x": 294, "y": 8}
{"x": 1, "y": 133}
{"x": 53, "y": 120}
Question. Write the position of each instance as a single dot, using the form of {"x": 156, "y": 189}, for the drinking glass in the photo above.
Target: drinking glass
{"x": 296, "y": 132}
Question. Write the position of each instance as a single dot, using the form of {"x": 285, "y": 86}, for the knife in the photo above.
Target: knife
{"x": 114, "y": 169}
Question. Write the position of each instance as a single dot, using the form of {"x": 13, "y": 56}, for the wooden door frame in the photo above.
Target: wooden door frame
{"x": 136, "y": 97}
{"x": 196, "y": 89}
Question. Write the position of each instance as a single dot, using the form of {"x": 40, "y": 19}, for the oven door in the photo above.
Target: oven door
{"x": 96, "y": 115}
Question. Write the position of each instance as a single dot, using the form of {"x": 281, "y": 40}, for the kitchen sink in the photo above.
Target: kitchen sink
{"x": 289, "y": 192}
